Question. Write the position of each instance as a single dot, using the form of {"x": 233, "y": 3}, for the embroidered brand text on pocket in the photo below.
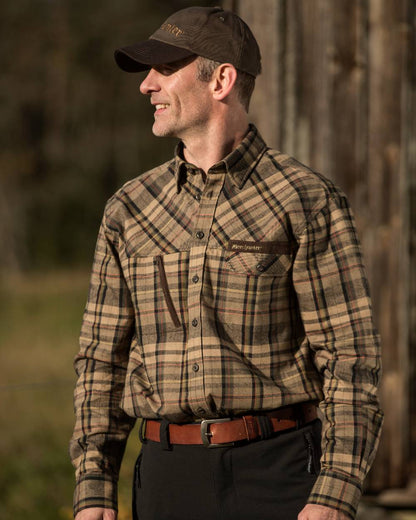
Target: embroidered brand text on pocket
{"x": 247, "y": 246}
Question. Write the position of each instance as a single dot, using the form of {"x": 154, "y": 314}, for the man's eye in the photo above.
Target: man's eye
{"x": 170, "y": 68}
{"x": 166, "y": 70}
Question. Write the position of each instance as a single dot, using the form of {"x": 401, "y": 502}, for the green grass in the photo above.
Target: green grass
{"x": 40, "y": 317}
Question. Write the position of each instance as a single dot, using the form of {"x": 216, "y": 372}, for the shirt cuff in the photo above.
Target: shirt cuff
{"x": 95, "y": 491}
{"x": 338, "y": 491}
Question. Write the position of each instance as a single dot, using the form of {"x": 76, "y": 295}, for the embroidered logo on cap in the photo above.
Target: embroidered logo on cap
{"x": 172, "y": 29}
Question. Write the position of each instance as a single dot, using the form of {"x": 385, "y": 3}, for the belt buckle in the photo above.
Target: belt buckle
{"x": 206, "y": 434}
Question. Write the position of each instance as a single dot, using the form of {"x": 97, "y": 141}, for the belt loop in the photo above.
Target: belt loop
{"x": 300, "y": 416}
{"x": 164, "y": 435}
{"x": 266, "y": 427}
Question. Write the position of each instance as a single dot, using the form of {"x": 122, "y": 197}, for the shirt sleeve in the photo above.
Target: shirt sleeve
{"x": 334, "y": 302}
{"x": 101, "y": 428}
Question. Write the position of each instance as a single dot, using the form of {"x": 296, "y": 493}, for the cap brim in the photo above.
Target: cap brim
{"x": 142, "y": 56}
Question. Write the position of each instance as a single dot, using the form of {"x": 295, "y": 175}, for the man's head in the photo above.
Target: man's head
{"x": 215, "y": 35}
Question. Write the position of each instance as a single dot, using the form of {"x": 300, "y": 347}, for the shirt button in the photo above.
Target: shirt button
{"x": 195, "y": 322}
{"x": 197, "y": 197}
{"x": 260, "y": 267}
{"x": 195, "y": 278}
{"x": 195, "y": 367}
{"x": 200, "y": 235}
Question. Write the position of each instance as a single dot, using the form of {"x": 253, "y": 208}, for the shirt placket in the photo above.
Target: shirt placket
{"x": 198, "y": 248}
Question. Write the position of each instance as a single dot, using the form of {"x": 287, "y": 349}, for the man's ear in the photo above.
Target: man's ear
{"x": 223, "y": 81}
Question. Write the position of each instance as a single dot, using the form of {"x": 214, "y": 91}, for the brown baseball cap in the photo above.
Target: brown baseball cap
{"x": 210, "y": 32}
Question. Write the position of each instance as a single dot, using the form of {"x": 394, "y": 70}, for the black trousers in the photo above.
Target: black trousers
{"x": 262, "y": 480}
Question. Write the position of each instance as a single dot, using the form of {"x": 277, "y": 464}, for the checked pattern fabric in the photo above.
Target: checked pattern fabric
{"x": 215, "y": 294}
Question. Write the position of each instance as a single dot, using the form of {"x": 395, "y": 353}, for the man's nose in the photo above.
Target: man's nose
{"x": 149, "y": 84}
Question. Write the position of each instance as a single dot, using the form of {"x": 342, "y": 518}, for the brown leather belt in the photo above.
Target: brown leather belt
{"x": 219, "y": 432}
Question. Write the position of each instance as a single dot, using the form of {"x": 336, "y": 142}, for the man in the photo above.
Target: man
{"x": 227, "y": 298}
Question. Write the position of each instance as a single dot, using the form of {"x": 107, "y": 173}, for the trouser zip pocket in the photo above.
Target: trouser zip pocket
{"x": 166, "y": 292}
{"x": 313, "y": 459}
{"x": 136, "y": 486}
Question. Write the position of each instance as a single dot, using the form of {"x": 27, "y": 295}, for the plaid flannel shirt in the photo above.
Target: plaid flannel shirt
{"x": 213, "y": 295}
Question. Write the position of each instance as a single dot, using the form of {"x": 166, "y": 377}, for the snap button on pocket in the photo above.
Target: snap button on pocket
{"x": 259, "y": 264}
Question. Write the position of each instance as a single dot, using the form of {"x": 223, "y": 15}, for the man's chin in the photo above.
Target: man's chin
{"x": 162, "y": 132}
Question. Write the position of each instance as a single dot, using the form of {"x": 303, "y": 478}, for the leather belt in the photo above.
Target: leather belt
{"x": 226, "y": 431}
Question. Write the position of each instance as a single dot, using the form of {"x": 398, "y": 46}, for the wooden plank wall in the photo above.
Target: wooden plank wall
{"x": 338, "y": 92}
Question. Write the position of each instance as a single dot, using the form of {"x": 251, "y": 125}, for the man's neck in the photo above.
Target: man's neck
{"x": 210, "y": 147}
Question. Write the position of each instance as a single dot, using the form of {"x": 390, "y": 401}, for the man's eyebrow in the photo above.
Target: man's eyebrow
{"x": 176, "y": 65}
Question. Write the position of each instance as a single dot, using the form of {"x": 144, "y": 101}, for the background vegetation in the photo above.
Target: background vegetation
{"x": 38, "y": 330}
{"x": 73, "y": 128}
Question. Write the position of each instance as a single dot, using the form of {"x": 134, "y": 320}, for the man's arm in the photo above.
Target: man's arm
{"x": 101, "y": 427}
{"x": 334, "y": 302}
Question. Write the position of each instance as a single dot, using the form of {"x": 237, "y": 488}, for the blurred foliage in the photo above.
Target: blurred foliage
{"x": 73, "y": 127}
{"x": 39, "y": 328}
{"x": 39, "y": 323}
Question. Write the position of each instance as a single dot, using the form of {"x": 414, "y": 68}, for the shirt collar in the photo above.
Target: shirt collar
{"x": 239, "y": 163}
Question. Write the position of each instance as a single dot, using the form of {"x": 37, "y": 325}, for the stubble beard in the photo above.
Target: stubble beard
{"x": 179, "y": 129}
{"x": 162, "y": 132}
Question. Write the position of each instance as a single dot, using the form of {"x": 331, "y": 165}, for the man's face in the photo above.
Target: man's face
{"x": 182, "y": 102}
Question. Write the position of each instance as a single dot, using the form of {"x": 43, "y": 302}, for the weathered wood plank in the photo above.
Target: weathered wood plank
{"x": 409, "y": 163}
{"x": 338, "y": 92}
{"x": 266, "y": 22}
{"x": 386, "y": 234}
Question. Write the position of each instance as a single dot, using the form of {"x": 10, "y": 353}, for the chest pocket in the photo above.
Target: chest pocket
{"x": 158, "y": 288}
{"x": 259, "y": 258}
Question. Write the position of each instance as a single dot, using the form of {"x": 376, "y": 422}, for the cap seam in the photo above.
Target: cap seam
{"x": 240, "y": 52}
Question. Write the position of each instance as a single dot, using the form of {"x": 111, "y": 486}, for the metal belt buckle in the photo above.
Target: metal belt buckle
{"x": 206, "y": 434}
